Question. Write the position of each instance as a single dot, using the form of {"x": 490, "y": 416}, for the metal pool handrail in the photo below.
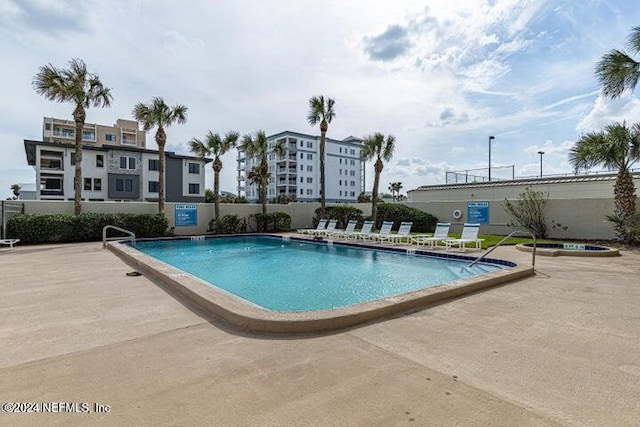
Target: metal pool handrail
{"x": 131, "y": 235}
{"x": 533, "y": 253}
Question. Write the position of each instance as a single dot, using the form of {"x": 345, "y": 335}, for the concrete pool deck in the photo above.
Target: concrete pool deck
{"x": 558, "y": 348}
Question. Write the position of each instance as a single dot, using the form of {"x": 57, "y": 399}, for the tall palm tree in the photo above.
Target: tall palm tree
{"x": 381, "y": 148}
{"x": 84, "y": 89}
{"x": 395, "y": 187}
{"x": 616, "y": 147}
{"x": 321, "y": 111}
{"x": 259, "y": 147}
{"x": 216, "y": 146}
{"x": 617, "y": 71}
{"x": 158, "y": 114}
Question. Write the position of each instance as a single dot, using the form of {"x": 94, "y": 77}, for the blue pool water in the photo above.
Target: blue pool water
{"x": 297, "y": 275}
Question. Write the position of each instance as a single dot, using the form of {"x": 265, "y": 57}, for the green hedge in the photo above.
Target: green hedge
{"x": 35, "y": 229}
{"x": 275, "y": 221}
{"x": 422, "y": 221}
{"x": 343, "y": 214}
{"x": 228, "y": 224}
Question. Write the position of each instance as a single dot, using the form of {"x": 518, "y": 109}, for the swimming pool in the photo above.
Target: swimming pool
{"x": 233, "y": 309}
{"x": 298, "y": 275}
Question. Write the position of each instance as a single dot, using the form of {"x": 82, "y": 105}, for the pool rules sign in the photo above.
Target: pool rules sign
{"x": 478, "y": 212}
{"x": 186, "y": 215}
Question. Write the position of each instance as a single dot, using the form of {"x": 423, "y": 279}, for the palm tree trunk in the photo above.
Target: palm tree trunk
{"x": 374, "y": 196}
{"x": 624, "y": 202}
{"x": 79, "y": 115}
{"x": 217, "y": 166}
{"x": 161, "y": 139}
{"x": 323, "y": 136}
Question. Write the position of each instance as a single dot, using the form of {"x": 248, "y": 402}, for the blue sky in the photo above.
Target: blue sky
{"x": 441, "y": 76}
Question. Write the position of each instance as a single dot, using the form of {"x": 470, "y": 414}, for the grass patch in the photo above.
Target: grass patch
{"x": 493, "y": 239}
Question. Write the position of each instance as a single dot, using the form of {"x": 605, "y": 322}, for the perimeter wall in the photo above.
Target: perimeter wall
{"x": 583, "y": 217}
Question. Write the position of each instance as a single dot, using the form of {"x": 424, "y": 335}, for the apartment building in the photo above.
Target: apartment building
{"x": 116, "y": 165}
{"x": 297, "y": 170}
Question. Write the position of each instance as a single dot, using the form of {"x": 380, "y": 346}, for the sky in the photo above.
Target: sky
{"x": 441, "y": 76}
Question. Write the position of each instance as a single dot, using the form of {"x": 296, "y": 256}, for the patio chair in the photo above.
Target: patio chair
{"x": 331, "y": 227}
{"x": 440, "y": 234}
{"x": 9, "y": 242}
{"x": 402, "y": 234}
{"x": 385, "y": 230}
{"x": 322, "y": 224}
{"x": 350, "y": 228}
{"x": 367, "y": 226}
{"x": 469, "y": 235}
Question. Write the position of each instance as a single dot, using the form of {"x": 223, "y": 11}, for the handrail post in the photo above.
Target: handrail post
{"x": 533, "y": 253}
{"x": 131, "y": 234}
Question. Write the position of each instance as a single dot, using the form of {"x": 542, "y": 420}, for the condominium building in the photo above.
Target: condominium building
{"x": 296, "y": 172}
{"x": 115, "y": 165}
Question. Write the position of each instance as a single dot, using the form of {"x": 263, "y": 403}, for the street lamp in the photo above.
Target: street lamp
{"x": 541, "y": 153}
{"x": 491, "y": 138}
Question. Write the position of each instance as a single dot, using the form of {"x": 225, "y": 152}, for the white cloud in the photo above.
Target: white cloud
{"x": 606, "y": 111}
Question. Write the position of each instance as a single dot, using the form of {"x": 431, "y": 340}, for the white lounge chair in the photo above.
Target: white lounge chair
{"x": 367, "y": 226}
{"x": 9, "y": 242}
{"x": 331, "y": 227}
{"x": 402, "y": 234}
{"x": 322, "y": 224}
{"x": 350, "y": 228}
{"x": 469, "y": 235}
{"x": 440, "y": 234}
{"x": 385, "y": 230}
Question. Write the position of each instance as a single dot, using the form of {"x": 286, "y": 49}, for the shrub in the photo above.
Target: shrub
{"x": 633, "y": 229}
{"x": 529, "y": 211}
{"x": 228, "y": 224}
{"x": 276, "y": 221}
{"x": 34, "y": 229}
{"x": 422, "y": 221}
{"x": 343, "y": 214}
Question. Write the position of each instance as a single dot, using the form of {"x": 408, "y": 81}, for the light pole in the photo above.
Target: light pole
{"x": 541, "y": 153}
{"x": 491, "y": 138}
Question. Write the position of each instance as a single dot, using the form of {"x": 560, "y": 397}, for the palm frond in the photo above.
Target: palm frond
{"x": 617, "y": 72}
{"x": 633, "y": 43}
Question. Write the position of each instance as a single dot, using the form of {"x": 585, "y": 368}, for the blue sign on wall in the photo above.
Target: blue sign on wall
{"x": 186, "y": 215}
{"x": 478, "y": 212}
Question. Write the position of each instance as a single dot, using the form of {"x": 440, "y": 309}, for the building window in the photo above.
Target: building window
{"x": 353, "y": 162}
{"x": 340, "y": 182}
{"x": 47, "y": 126}
{"x": 340, "y": 152}
{"x": 97, "y": 184}
{"x": 301, "y": 144}
{"x": 301, "y": 167}
{"x": 301, "y": 192}
{"x": 128, "y": 185}
{"x": 353, "y": 194}
{"x": 110, "y": 137}
{"x": 309, "y": 180}
{"x": 194, "y": 188}
{"x": 309, "y": 168}
{"x": 154, "y": 186}
{"x": 340, "y": 193}
{"x": 301, "y": 180}
{"x": 88, "y": 135}
{"x": 302, "y": 155}
{"x": 99, "y": 160}
{"x": 123, "y": 162}
{"x": 309, "y": 156}
{"x": 87, "y": 184}
{"x": 194, "y": 168}
{"x": 67, "y": 133}
{"x": 352, "y": 173}
{"x": 340, "y": 161}
{"x": 73, "y": 158}
{"x": 119, "y": 184}
{"x": 132, "y": 162}
{"x": 309, "y": 144}
{"x": 352, "y": 152}
{"x": 154, "y": 164}
{"x": 309, "y": 192}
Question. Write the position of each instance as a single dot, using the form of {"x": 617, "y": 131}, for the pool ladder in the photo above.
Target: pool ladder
{"x": 130, "y": 235}
{"x": 513, "y": 233}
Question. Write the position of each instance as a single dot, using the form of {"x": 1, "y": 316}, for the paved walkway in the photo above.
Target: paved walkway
{"x": 560, "y": 348}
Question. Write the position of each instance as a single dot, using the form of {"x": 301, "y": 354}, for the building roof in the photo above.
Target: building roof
{"x": 30, "y": 150}
{"x": 524, "y": 181}
{"x": 347, "y": 140}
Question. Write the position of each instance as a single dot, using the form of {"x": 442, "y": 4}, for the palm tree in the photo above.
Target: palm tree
{"x": 160, "y": 115}
{"x": 259, "y": 147}
{"x": 381, "y": 148}
{"x": 395, "y": 187}
{"x": 617, "y": 71}
{"x": 15, "y": 188}
{"x": 74, "y": 84}
{"x": 616, "y": 147}
{"x": 321, "y": 111}
{"x": 216, "y": 146}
